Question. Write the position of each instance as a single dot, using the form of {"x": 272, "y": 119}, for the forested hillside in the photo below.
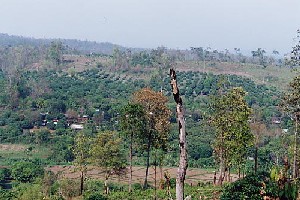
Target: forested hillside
{"x": 59, "y": 97}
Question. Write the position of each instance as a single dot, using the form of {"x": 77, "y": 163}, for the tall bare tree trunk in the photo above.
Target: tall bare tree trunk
{"x": 181, "y": 172}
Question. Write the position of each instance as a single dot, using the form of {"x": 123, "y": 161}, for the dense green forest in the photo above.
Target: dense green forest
{"x": 59, "y": 98}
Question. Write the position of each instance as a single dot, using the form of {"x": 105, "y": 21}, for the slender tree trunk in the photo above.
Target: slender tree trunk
{"x": 181, "y": 172}
{"x": 148, "y": 161}
{"x": 222, "y": 168}
{"x": 155, "y": 178}
{"x": 105, "y": 184}
{"x": 295, "y": 148}
{"x": 255, "y": 159}
{"x": 81, "y": 182}
{"x": 130, "y": 167}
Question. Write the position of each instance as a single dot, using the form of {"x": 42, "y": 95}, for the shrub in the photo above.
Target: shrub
{"x": 247, "y": 188}
{"x": 4, "y": 174}
{"x": 70, "y": 188}
{"x": 26, "y": 171}
{"x": 94, "y": 196}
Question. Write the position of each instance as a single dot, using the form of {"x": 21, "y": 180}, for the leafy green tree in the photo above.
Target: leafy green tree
{"x": 55, "y": 52}
{"x": 233, "y": 136}
{"x": 133, "y": 120}
{"x": 81, "y": 153}
{"x": 291, "y": 105}
{"x": 259, "y": 130}
{"x": 260, "y": 54}
{"x": 106, "y": 153}
{"x": 157, "y": 115}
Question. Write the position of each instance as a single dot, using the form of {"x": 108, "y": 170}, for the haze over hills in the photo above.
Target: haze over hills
{"x": 81, "y": 46}
{"x": 87, "y": 47}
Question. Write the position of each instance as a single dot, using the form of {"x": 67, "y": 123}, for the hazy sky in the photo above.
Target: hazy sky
{"x": 219, "y": 24}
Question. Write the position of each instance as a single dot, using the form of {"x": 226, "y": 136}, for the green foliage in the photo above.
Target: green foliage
{"x": 62, "y": 149}
{"x": 55, "y": 52}
{"x": 4, "y": 174}
{"x": 106, "y": 153}
{"x": 133, "y": 120}
{"x": 26, "y": 171}
{"x": 249, "y": 187}
{"x": 255, "y": 186}
{"x": 291, "y": 99}
{"x": 26, "y": 191}
{"x": 6, "y": 194}
{"x": 69, "y": 187}
{"x": 42, "y": 136}
{"x": 94, "y": 196}
{"x": 81, "y": 150}
{"x": 230, "y": 119}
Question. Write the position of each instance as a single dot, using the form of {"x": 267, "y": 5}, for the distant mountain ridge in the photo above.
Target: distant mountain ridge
{"x": 85, "y": 47}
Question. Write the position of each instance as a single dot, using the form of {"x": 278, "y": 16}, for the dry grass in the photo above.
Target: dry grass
{"x": 193, "y": 175}
{"x": 12, "y": 147}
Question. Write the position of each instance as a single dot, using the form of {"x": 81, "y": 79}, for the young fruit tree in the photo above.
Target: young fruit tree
{"x": 133, "y": 119}
{"x": 107, "y": 155}
{"x": 230, "y": 119}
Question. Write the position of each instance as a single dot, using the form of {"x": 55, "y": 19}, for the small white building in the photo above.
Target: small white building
{"x": 76, "y": 126}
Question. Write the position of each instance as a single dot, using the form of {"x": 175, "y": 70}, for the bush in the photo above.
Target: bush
{"x": 7, "y": 194}
{"x": 250, "y": 187}
{"x": 137, "y": 186}
{"x": 26, "y": 171}
{"x": 4, "y": 174}
{"x": 94, "y": 185}
{"x": 27, "y": 191}
{"x": 94, "y": 196}
{"x": 70, "y": 188}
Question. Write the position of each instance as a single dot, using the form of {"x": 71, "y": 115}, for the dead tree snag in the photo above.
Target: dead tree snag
{"x": 181, "y": 172}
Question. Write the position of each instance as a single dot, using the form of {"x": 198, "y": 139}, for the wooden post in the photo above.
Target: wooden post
{"x": 181, "y": 172}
